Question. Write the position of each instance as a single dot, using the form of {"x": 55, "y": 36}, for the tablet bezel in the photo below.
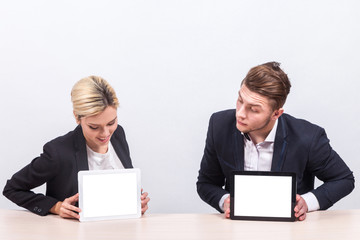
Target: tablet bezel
{"x": 81, "y": 175}
{"x": 263, "y": 218}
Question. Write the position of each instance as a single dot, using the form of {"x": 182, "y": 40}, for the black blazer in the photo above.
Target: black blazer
{"x": 299, "y": 147}
{"x": 58, "y": 166}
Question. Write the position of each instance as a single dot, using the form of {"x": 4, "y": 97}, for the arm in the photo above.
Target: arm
{"x": 327, "y": 166}
{"x": 211, "y": 179}
{"x": 39, "y": 171}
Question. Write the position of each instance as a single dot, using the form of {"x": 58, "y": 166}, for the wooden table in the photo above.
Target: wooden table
{"x": 327, "y": 225}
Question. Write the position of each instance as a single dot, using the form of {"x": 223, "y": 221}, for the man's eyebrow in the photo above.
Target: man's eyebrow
{"x": 251, "y": 104}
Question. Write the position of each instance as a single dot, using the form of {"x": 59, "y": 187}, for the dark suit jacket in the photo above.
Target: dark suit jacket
{"x": 58, "y": 166}
{"x": 299, "y": 147}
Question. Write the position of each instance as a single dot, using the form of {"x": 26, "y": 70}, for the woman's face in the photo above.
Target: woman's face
{"x": 99, "y": 128}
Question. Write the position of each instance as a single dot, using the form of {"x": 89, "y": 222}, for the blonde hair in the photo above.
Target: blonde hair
{"x": 91, "y": 95}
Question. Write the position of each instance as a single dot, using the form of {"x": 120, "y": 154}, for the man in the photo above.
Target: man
{"x": 259, "y": 136}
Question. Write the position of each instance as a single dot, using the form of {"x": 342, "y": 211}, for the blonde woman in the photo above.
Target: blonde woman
{"x": 97, "y": 143}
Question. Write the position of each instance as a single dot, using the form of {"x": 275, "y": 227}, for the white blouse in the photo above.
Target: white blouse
{"x": 100, "y": 161}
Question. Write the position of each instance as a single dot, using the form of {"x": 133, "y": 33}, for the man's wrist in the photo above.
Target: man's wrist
{"x": 311, "y": 201}
{"x": 222, "y": 200}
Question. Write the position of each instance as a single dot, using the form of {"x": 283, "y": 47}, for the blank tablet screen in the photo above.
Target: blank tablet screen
{"x": 109, "y": 194}
{"x": 263, "y": 196}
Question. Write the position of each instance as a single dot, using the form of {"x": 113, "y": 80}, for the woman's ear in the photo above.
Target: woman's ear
{"x": 77, "y": 118}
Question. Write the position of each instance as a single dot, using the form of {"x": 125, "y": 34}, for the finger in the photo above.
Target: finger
{"x": 73, "y": 199}
{"x": 227, "y": 213}
{"x": 145, "y": 201}
{"x": 227, "y": 204}
{"x": 300, "y": 212}
{"x": 66, "y": 213}
{"x": 144, "y": 195}
{"x": 70, "y": 207}
{"x": 302, "y": 217}
{"x": 143, "y": 209}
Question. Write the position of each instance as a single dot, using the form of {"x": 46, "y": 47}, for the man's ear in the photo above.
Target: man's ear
{"x": 277, "y": 113}
{"x": 76, "y": 118}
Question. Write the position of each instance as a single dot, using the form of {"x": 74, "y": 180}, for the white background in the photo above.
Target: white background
{"x": 172, "y": 64}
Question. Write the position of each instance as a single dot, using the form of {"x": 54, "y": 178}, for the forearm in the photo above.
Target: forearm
{"x": 211, "y": 193}
{"x": 331, "y": 192}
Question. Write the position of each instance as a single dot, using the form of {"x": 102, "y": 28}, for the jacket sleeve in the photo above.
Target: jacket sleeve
{"x": 328, "y": 167}
{"x": 211, "y": 178}
{"x": 38, "y": 172}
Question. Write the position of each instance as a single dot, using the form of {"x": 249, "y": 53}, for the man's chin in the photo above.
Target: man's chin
{"x": 242, "y": 128}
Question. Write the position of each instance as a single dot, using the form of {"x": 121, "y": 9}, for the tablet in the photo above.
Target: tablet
{"x": 256, "y": 195}
{"x": 109, "y": 194}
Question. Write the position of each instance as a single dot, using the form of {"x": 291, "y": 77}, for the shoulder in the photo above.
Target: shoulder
{"x": 119, "y": 132}
{"x": 67, "y": 140}
{"x": 223, "y": 123}
{"x": 225, "y": 116}
{"x": 298, "y": 123}
{"x": 300, "y": 128}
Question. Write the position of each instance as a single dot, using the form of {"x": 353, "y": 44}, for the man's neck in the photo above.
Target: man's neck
{"x": 259, "y": 136}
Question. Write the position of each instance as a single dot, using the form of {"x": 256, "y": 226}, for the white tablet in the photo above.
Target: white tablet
{"x": 259, "y": 195}
{"x": 109, "y": 194}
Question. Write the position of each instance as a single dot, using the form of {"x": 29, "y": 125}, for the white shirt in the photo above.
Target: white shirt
{"x": 258, "y": 157}
{"x": 99, "y": 161}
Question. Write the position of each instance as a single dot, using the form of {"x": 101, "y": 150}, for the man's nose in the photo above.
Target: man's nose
{"x": 240, "y": 112}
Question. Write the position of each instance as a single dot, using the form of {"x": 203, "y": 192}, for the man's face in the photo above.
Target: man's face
{"x": 254, "y": 112}
{"x": 98, "y": 129}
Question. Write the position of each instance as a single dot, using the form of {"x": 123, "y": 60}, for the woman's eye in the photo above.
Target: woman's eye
{"x": 112, "y": 123}
{"x": 93, "y": 128}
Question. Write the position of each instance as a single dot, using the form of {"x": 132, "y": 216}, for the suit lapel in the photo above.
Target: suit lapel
{"x": 80, "y": 150}
{"x": 280, "y": 146}
{"x": 239, "y": 149}
{"x": 120, "y": 151}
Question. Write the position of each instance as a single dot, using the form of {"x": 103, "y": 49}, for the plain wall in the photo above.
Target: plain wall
{"x": 172, "y": 64}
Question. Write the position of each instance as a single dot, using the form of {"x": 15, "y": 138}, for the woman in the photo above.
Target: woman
{"x": 98, "y": 142}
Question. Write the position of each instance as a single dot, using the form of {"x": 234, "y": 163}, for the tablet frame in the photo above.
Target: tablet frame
{"x": 263, "y": 218}
{"x": 82, "y": 174}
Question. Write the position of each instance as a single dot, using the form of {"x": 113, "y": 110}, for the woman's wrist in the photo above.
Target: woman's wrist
{"x": 56, "y": 208}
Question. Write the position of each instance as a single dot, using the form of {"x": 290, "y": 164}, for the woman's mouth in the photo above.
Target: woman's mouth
{"x": 104, "y": 140}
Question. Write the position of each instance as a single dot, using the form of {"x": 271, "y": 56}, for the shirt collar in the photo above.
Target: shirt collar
{"x": 270, "y": 137}
{"x": 272, "y": 134}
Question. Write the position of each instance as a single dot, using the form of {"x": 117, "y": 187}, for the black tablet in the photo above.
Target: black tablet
{"x": 257, "y": 195}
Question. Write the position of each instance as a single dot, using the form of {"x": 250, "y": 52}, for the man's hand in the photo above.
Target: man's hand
{"x": 144, "y": 201}
{"x": 67, "y": 209}
{"x": 227, "y": 207}
{"x": 301, "y": 208}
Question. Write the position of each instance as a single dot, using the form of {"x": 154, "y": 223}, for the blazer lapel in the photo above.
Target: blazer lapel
{"x": 280, "y": 147}
{"x": 239, "y": 149}
{"x": 120, "y": 151}
{"x": 80, "y": 150}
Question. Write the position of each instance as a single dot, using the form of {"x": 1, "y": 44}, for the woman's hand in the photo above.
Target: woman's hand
{"x": 67, "y": 209}
{"x": 144, "y": 201}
